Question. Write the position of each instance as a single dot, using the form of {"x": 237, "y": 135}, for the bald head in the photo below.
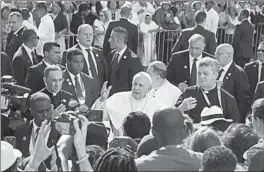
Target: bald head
{"x": 141, "y": 85}
{"x": 224, "y": 54}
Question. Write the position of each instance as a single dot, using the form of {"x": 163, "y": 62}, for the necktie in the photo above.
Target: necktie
{"x": 34, "y": 58}
{"x": 262, "y": 73}
{"x": 78, "y": 87}
{"x": 115, "y": 60}
{"x": 220, "y": 73}
{"x": 36, "y": 135}
{"x": 194, "y": 72}
{"x": 91, "y": 63}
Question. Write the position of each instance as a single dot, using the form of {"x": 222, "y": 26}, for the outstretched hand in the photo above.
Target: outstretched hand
{"x": 105, "y": 92}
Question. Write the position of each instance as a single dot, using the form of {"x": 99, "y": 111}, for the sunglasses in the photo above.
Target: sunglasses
{"x": 261, "y": 51}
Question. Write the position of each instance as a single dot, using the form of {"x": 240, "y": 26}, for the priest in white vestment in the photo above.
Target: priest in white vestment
{"x": 162, "y": 89}
{"x": 119, "y": 105}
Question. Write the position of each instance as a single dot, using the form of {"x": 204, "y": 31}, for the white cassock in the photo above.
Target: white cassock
{"x": 119, "y": 105}
{"x": 167, "y": 94}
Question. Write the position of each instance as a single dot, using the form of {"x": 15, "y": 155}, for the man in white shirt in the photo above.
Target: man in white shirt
{"x": 212, "y": 18}
{"x": 118, "y": 106}
{"x": 162, "y": 89}
{"x": 26, "y": 134}
{"x": 233, "y": 78}
{"x": 139, "y": 9}
{"x": 46, "y": 29}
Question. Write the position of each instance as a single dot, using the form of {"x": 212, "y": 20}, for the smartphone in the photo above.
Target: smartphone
{"x": 11, "y": 140}
{"x": 95, "y": 115}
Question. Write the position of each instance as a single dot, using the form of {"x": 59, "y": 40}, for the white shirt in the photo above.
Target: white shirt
{"x": 197, "y": 62}
{"x": 167, "y": 93}
{"x": 29, "y": 51}
{"x": 212, "y": 20}
{"x": 27, "y": 24}
{"x": 46, "y": 32}
{"x": 119, "y": 105}
{"x": 120, "y": 53}
{"x": 80, "y": 81}
{"x": 85, "y": 53}
{"x": 139, "y": 18}
{"x": 33, "y": 135}
{"x": 225, "y": 69}
{"x": 259, "y": 70}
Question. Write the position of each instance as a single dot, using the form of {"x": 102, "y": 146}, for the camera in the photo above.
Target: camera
{"x": 64, "y": 123}
{"x": 16, "y": 94}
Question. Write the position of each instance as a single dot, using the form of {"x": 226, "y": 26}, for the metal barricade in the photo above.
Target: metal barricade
{"x": 223, "y": 37}
{"x": 70, "y": 40}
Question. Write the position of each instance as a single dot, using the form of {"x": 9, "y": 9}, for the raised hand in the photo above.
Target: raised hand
{"x": 105, "y": 92}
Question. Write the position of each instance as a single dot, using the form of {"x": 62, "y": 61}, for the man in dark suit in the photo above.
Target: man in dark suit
{"x": 53, "y": 80}
{"x": 95, "y": 65}
{"x": 80, "y": 85}
{"x": 255, "y": 70}
{"x": 181, "y": 71}
{"x": 124, "y": 62}
{"x": 210, "y": 41}
{"x": 242, "y": 41}
{"x": 14, "y": 38}
{"x": 233, "y": 79}
{"x": 6, "y": 66}
{"x": 207, "y": 93}
{"x": 26, "y": 134}
{"x": 259, "y": 93}
{"x": 35, "y": 74}
{"x": 25, "y": 56}
{"x": 131, "y": 29}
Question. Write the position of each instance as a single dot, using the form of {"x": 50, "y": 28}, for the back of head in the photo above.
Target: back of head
{"x": 159, "y": 68}
{"x": 258, "y": 108}
{"x": 83, "y": 7}
{"x": 28, "y": 34}
{"x": 218, "y": 158}
{"x": 94, "y": 152}
{"x": 255, "y": 157}
{"x": 146, "y": 146}
{"x": 97, "y": 134}
{"x": 116, "y": 159}
{"x": 200, "y": 17}
{"x": 38, "y": 96}
{"x": 245, "y": 13}
{"x": 239, "y": 138}
{"x": 168, "y": 124}
{"x": 125, "y": 11}
{"x": 136, "y": 125}
{"x": 41, "y": 6}
{"x": 25, "y": 13}
{"x": 203, "y": 139}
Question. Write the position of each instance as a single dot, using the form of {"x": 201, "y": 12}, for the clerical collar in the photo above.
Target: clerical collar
{"x": 227, "y": 66}
{"x": 209, "y": 91}
{"x": 54, "y": 94}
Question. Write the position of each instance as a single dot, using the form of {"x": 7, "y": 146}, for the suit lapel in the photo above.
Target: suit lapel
{"x": 122, "y": 61}
{"x": 229, "y": 73}
{"x": 26, "y": 56}
{"x": 68, "y": 83}
{"x": 85, "y": 67}
{"x": 26, "y": 138}
{"x": 186, "y": 66}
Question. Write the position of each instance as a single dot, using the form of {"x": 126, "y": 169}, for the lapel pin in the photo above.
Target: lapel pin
{"x": 70, "y": 83}
{"x": 24, "y": 138}
{"x": 64, "y": 101}
{"x": 125, "y": 57}
{"x": 185, "y": 67}
{"x": 68, "y": 80}
{"x": 96, "y": 55}
{"x": 227, "y": 77}
{"x": 255, "y": 65}
{"x": 229, "y": 74}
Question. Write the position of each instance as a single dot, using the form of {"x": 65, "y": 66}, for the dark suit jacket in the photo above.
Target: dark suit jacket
{"x": 242, "y": 40}
{"x": 252, "y": 72}
{"x": 120, "y": 77}
{"x": 23, "y": 136}
{"x": 34, "y": 78}
{"x": 77, "y": 21}
{"x": 6, "y": 66}
{"x": 13, "y": 43}
{"x": 259, "y": 93}
{"x": 229, "y": 104}
{"x": 63, "y": 97}
{"x": 183, "y": 44}
{"x": 236, "y": 83}
{"x": 21, "y": 63}
{"x": 92, "y": 89}
{"x": 100, "y": 61}
{"x": 132, "y": 31}
{"x": 179, "y": 68}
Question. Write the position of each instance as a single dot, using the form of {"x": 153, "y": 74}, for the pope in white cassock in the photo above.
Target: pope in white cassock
{"x": 119, "y": 105}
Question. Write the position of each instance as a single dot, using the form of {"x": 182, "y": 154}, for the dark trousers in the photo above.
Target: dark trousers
{"x": 241, "y": 61}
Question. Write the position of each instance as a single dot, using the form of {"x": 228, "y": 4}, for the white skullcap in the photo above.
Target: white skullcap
{"x": 146, "y": 76}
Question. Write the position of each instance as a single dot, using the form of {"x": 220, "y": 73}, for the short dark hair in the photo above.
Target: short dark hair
{"x": 38, "y": 96}
{"x": 28, "y": 34}
{"x": 73, "y": 52}
{"x": 239, "y": 138}
{"x": 117, "y": 4}
{"x": 83, "y": 7}
{"x": 122, "y": 32}
{"x": 136, "y": 125}
{"x": 49, "y": 45}
{"x": 94, "y": 152}
{"x": 51, "y": 68}
{"x": 25, "y": 13}
{"x": 245, "y": 13}
{"x": 116, "y": 159}
{"x": 41, "y": 5}
{"x": 218, "y": 158}
{"x": 200, "y": 17}
{"x": 258, "y": 108}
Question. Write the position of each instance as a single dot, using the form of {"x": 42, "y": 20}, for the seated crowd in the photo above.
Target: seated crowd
{"x": 101, "y": 108}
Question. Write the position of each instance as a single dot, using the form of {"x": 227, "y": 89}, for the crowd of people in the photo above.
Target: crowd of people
{"x": 108, "y": 100}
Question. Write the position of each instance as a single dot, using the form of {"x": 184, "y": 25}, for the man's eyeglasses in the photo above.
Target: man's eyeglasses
{"x": 262, "y": 51}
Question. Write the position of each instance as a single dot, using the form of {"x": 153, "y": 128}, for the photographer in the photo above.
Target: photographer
{"x": 4, "y": 117}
